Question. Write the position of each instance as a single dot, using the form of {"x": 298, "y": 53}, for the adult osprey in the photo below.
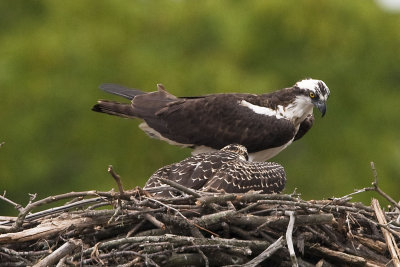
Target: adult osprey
{"x": 265, "y": 124}
{"x": 225, "y": 170}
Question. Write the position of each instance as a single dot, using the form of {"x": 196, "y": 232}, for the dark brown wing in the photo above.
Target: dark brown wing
{"x": 219, "y": 120}
{"x": 241, "y": 176}
{"x": 213, "y": 120}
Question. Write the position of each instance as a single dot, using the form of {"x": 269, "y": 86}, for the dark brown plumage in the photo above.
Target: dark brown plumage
{"x": 265, "y": 124}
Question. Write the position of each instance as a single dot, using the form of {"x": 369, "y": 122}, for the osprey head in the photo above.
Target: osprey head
{"x": 315, "y": 91}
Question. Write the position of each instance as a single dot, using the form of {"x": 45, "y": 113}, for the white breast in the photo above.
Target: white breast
{"x": 266, "y": 154}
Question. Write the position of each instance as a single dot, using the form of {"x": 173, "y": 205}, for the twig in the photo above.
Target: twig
{"x": 206, "y": 262}
{"x": 249, "y": 207}
{"x": 180, "y": 187}
{"x": 233, "y": 249}
{"x": 244, "y": 198}
{"x": 378, "y": 224}
{"x": 180, "y": 240}
{"x": 347, "y": 197}
{"x": 279, "y": 221}
{"x": 115, "y": 254}
{"x": 64, "y": 208}
{"x": 214, "y": 218}
{"x": 390, "y": 241}
{"x": 266, "y": 253}
{"x": 131, "y": 263}
{"x": 348, "y": 225}
{"x": 295, "y": 194}
{"x": 14, "y": 253}
{"x": 167, "y": 206}
{"x": 185, "y": 259}
{"x": 39, "y": 253}
{"x": 135, "y": 228}
{"x": 95, "y": 254}
{"x": 117, "y": 179}
{"x": 59, "y": 253}
{"x": 9, "y": 201}
{"x": 377, "y": 189}
{"x": 117, "y": 211}
{"x": 180, "y": 214}
{"x": 374, "y": 187}
{"x": 154, "y": 221}
{"x": 32, "y": 205}
{"x": 318, "y": 207}
{"x": 162, "y": 188}
{"x": 215, "y": 199}
{"x": 253, "y": 197}
{"x": 344, "y": 258}
{"x": 289, "y": 240}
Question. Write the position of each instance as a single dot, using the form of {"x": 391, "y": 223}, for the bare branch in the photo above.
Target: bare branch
{"x": 278, "y": 244}
{"x": 180, "y": 187}
{"x": 289, "y": 240}
{"x": 390, "y": 241}
{"x": 9, "y": 201}
{"x": 377, "y": 189}
{"x": 59, "y": 253}
{"x": 117, "y": 179}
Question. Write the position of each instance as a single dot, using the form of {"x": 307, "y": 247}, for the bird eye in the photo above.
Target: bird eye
{"x": 312, "y": 95}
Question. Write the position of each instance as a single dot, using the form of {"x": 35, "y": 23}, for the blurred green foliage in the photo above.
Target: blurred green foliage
{"x": 54, "y": 54}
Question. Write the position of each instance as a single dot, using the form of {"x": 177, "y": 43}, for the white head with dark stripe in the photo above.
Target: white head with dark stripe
{"x": 313, "y": 91}
{"x": 294, "y": 103}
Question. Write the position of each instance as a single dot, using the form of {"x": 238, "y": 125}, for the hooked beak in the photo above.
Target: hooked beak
{"x": 321, "y": 105}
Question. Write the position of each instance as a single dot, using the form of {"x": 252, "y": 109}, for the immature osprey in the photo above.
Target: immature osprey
{"x": 225, "y": 170}
{"x": 265, "y": 124}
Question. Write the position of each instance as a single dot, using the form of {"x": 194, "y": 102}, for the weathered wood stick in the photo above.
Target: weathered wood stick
{"x": 391, "y": 243}
{"x": 281, "y": 221}
{"x": 337, "y": 256}
{"x": 253, "y": 245}
{"x": 59, "y": 253}
{"x": 278, "y": 244}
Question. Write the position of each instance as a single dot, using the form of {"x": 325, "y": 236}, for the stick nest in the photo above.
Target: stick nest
{"x": 133, "y": 228}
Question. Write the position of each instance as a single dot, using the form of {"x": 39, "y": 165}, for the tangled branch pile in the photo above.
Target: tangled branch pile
{"x": 201, "y": 229}
{"x": 133, "y": 228}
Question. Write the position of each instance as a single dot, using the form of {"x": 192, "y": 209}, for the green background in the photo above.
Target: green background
{"x": 54, "y": 54}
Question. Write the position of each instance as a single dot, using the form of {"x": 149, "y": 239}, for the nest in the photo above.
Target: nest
{"x": 133, "y": 228}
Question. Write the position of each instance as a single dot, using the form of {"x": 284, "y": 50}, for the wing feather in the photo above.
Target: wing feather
{"x": 210, "y": 120}
{"x": 214, "y": 121}
{"x": 192, "y": 172}
{"x": 120, "y": 90}
{"x": 242, "y": 176}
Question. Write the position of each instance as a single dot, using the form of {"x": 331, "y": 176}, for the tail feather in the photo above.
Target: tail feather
{"x": 120, "y": 90}
{"x": 115, "y": 108}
